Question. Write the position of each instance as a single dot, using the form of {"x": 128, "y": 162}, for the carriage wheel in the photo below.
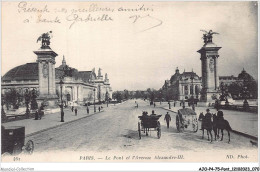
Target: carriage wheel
{"x": 29, "y": 147}
{"x": 139, "y": 130}
{"x": 158, "y": 130}
{"x": 195, "y": 125}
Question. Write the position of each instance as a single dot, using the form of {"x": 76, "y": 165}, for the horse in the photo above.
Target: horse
{"x": 145, "y": 114}
{"x": 207, "y": 125}
{"x": 215, "y": 126}
{"x": 221, "y": 124}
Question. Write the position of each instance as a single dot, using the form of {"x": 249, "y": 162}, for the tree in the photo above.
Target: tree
{"x": 13, "y": 97}
{"x": 234, "y": 89}
{"x": 118, "y": 96}
{"x": 27, "y": 97}
{"x": 34, "y": 104}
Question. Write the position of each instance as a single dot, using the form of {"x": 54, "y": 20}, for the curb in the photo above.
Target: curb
{"x": 168, "y": 109}
{"x": 61, "y": 124}
{"x": 245, "y": 135}
{"x": 234, "y": 131}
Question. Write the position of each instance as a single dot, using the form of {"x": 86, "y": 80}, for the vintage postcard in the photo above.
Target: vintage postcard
{"x": 129, "y": 82}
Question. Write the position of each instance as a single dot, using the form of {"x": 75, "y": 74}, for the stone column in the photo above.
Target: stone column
{"x": 207, "y": 73}
{"x": 180, "y": 90}
{"x": 188, "y": 89}
{"x": 77, "y": 93}
{"x": 54, "y": 79}
{"x": 216, "y": 72}
{"x": 50, "y": 79}
{"x": 40, "y": 76}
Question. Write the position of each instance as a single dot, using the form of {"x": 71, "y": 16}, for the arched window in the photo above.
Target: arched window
{"x": 68, "y": 97}
{"x": 191, "y": 89}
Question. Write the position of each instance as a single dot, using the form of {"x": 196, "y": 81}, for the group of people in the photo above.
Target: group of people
{"x": 39, "y": 113}
{"x": 167, "y": 117}
{"x": 76, "y": 110}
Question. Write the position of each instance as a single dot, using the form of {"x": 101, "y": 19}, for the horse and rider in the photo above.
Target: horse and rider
{"x": 214, "y": 122}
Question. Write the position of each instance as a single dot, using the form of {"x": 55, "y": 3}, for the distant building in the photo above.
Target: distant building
{"x": 240, "y": 79}
{"x": 78, "y": 85}
{"x": 183, "y": 85}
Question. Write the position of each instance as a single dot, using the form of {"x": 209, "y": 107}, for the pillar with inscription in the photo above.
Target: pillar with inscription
{"x": 46, "y": 66}
{"x": 209, "y": 65}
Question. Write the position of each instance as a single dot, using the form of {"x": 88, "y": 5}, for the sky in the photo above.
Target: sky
{"x": 139, "y": 44}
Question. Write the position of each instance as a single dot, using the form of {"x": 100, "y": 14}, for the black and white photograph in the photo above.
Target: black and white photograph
{"x": 132, "y": 82}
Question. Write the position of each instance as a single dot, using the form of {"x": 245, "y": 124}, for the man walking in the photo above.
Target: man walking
{"x": 87, "y": 110}
{"x": 76, "y": 111}
{"x": 167, "y": 118}
{"x": 72, "y": 108}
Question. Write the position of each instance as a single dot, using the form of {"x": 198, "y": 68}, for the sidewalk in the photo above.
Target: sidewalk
{"x": 53, "y": 120}
{"x": 244, "y": 122}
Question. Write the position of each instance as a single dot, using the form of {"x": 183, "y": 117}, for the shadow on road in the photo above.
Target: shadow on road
{"x": 168, "y": 130}
{"x": 131, "y": 134}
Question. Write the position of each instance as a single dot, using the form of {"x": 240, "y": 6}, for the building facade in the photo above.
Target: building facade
{"x": 184, "y": 85}
{"x": 78, "y": 86}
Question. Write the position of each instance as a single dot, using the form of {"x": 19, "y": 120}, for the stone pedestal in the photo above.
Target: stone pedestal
{"x": 46, "y": 67}
{"x": 209, "y": 67}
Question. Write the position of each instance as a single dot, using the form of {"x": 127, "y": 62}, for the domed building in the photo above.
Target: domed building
{"x": 50, "y": 82}
{"x": 78, "y": 85}
{"x": 184, "y": 85}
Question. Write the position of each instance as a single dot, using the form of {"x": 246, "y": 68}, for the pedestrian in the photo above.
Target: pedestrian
{"x": 76, "y": 111}
{"x": 99, "y": 108}
{"x": 36, "y": 115}
{"x": 40, "y": 114}
{"x": 154, "y": 105}
{"x": 72, "y": 108}
{"x": 201, "y": 117}
{"x": 137, "y": 105}
{"x": 87, "y": 110}
{"x": 174, "y": 104}
{"x": 153, "y": 114}
{"x": 167, "y": 118}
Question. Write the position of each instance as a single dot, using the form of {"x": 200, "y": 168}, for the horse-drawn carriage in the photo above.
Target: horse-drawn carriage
{"x": 12, "y": 141}
{"x": 186, "y": 119}
{"x": 147, "y": 123}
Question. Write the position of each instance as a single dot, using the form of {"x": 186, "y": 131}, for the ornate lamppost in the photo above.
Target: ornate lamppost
{"x": 27, "y": 101}
{"x": 61, "y": 105}
{"x": 224, "y": 93}
{"x": 94, "y": 100}
{"x": 192, "y": 98}
{"x": 107, "y": 98}
{"x": 3, "y": 116}
{"x": 244, "y": 94}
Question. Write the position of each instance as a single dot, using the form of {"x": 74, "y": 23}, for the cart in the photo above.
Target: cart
{"x": 186, "y": 119}
{"x": 12, "y": 141}
{"x": 149, "y": 123}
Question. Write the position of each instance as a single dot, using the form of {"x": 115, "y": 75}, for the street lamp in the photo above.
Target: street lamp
{"x": 245, "y": 93}
{"x": 27, "y": 101}
{"x": 192, "y": 101}
{"x": 94, "y": 99}
{"x": 61, "y": 105}
{"x": 107, "y": 97}
{"x": 224, "y": 92}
